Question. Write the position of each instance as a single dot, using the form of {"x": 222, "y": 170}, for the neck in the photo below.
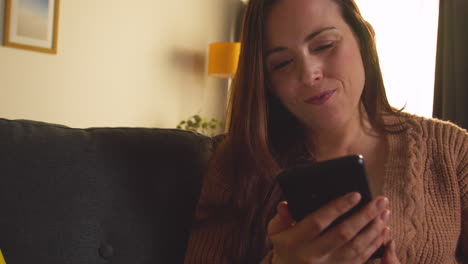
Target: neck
{"x": 351, "y": 138}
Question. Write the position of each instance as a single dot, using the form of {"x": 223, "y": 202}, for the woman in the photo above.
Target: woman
{"x": 309, "y": 88}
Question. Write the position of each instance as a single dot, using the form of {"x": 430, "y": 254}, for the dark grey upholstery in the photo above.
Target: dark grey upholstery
{"x": 98, "y": 195}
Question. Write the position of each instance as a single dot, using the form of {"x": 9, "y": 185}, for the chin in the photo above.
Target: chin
{"x": 328, "y": 123}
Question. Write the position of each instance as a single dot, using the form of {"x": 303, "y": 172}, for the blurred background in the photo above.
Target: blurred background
{"x": 145, "y": 63}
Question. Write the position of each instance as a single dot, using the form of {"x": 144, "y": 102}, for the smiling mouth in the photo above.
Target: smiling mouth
{"x": 321, "y": 99}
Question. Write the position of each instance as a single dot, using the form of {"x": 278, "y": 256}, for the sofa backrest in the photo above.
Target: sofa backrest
{"x": 97, "y": 195}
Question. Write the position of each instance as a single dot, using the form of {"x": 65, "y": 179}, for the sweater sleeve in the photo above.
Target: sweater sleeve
{"x": 209, "y": 231}
{"x": 212, "y": 227}
{"x": 268, "y": 259}
{"x": 462, "y": 173}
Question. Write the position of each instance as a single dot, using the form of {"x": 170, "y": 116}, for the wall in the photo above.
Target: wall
{"x": 120, "y": 63}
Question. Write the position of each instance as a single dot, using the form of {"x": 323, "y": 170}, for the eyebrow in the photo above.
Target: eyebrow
{"x": 308, "y": 38}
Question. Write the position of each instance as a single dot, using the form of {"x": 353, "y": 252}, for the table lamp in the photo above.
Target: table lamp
{"x": 223, "y": 59}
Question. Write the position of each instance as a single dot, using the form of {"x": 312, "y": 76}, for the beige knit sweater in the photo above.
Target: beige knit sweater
{"x": 426, "y": 181}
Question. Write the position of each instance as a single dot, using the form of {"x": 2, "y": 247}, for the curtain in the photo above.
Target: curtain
{"x": 451, "y": 80}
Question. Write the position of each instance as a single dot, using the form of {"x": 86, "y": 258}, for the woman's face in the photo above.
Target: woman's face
{"x": 313, "y": 62}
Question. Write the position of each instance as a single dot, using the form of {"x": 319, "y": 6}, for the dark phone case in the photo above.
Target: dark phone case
{"x": 309, "y": 187}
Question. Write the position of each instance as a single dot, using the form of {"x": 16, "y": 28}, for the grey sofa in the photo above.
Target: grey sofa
{"x": 97, "y": 195}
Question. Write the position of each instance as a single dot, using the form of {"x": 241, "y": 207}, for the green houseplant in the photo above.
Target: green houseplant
{"x": 196, "y": 123}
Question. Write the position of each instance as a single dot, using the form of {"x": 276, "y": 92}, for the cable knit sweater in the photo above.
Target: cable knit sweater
{"x": 426, "y": 181}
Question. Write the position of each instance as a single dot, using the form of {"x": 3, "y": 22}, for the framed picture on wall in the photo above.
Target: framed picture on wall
{"x": 31, "y": 25}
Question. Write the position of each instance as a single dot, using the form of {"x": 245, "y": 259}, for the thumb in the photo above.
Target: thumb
{"x": 390, "y": 256}
{"x": 282, "y": 220}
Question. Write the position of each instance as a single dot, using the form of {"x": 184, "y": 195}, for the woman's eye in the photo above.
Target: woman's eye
{"x": 324, "y": 47}
{"x": 281, "y": 64}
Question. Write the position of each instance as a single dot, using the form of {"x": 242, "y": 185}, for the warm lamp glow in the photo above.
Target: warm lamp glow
{"x": 223, "y": 58}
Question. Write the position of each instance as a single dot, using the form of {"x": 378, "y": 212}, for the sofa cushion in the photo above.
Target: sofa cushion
{"x": 97, "y": 195}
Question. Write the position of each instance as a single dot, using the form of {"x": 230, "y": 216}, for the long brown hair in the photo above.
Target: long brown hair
{"x": 263, "y": 137}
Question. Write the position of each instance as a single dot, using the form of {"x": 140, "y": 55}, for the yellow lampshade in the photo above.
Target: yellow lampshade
{"x": 223, "y": 59}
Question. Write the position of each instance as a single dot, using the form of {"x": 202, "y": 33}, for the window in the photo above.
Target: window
{"x": 406, "y": 33}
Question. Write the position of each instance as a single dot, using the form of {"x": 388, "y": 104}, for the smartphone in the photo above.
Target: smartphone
{"x": 309, "y": 187}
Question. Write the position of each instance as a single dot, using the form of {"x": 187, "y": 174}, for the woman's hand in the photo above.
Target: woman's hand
{"x": 390, "y": 256}
{"x": 302, "y": 242}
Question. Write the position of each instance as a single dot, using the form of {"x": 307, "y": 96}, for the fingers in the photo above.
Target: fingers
{"x": 283, "y": 211}
{"x": 319, "y": 220}
{"x": 279, "y": 229}
{"x": 390, "y": 256}
{"x": 356, "y": 238}
{"x": 298, "y": 241}
{"x": 369, "y": 240}
{"x": 376, "y": 244}
{"x": 349, "y": 228}
{"x": 281, "y": 221}
{"x": 367, "y": 237}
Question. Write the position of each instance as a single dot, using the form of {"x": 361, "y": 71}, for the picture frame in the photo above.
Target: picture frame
{"x": 32, "y": 25}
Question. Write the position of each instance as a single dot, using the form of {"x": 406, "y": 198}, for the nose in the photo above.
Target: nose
{"x": 311, "y": 73}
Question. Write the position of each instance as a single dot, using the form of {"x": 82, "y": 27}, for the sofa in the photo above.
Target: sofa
{"x": 97, "y": 195}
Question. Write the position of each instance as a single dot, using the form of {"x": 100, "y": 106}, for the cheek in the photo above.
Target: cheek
{"x": 286, "y": 93}
{"x": 347, "y": 69}
{"x": 353, "y": 67}
{"x": 283, "y": 87}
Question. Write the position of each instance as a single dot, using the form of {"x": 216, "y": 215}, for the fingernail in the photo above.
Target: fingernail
{"x": 385, "y": 215}
{"x": 354, "y": 197}
{"x": 281, "y": 205}
{"x": 393, "y": 246}
{"x": 385, "y": 231}
{"x": 382, "y": 203}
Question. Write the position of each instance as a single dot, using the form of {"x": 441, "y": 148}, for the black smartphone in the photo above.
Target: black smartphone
{"x": 309, "y": 187}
